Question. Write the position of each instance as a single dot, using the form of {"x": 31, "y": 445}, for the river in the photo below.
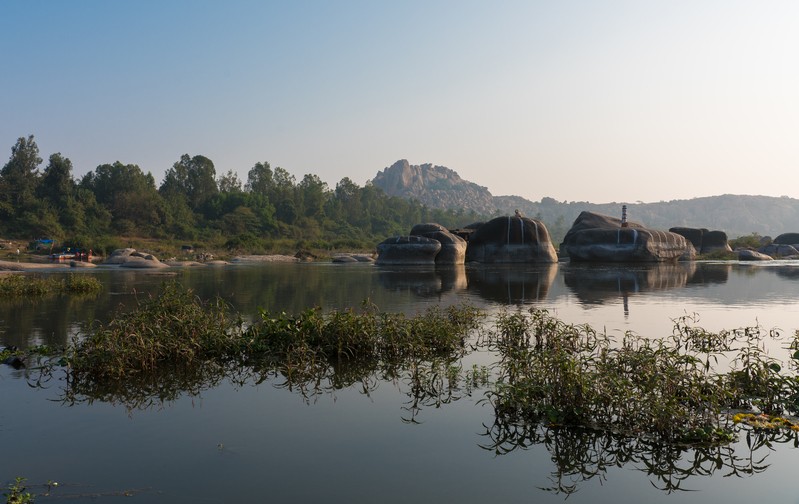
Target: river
{"x": 238, "y": 440}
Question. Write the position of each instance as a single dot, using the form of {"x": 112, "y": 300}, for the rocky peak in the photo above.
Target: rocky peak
{"x": 434, "y": 186}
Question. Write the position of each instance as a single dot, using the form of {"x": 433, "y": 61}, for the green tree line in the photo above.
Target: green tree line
{"x": 194, "y": 204}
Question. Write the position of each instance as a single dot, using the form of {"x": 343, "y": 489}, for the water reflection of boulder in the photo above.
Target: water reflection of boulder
{"x": 512, "y": 284}
{"x": 789, "y": 272}
{"x": 704, "y": 274}
{"x": 598, "y": 283}
{"x": 423, "y": 281}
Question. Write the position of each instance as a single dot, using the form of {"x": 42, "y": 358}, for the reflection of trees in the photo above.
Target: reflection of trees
{"x": 512, "y": 284}
{"x": 579, "y": 455}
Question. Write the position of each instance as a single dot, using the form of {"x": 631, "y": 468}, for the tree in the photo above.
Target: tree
{"x": 313, "y": 193}
{"x": 194, "y": 177}
{"x": 129, "y": 195}
{"x": 20, "y": 175}
{"x": 57, "y": 186}
{"x": 229, "y": 183}
{"x": 260, "y": 179}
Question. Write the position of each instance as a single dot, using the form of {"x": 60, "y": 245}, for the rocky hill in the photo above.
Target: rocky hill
{"x": 737, "y": 215}
{"x": 434, "y": 186}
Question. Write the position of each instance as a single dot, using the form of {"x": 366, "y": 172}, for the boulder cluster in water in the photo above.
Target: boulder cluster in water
{"x": 593, "y": 238}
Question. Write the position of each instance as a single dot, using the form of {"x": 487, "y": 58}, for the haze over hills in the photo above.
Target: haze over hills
{"x": 737, "y": 215}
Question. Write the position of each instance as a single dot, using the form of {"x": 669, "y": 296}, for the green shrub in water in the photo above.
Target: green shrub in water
{"x": 30, "y": 285}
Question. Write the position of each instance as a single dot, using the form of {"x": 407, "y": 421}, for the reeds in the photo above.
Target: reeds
{"x": 33, "y": 285}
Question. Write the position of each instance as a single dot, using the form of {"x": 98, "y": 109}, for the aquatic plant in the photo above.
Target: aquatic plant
{"x": 559, "y": 374}
{"x": 174, "y": 328}
{"x": 174, "y": 342}
{"x": 33, "y": 285}
{"x": 367, "y": 334}
{"x": 17, "y": 493}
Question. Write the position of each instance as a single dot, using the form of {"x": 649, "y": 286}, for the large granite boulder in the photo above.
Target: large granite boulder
{"x": 693, "y": 235}
{"x": 600, "y": 238}
{"x": 453, "y": 247}
{"x": 511, "y": 240}
{"x": 704, "y": 240}
{"x": 131, "y": 258}
{"x": 714, "y": 241}
{"x": 752, "y": 255}
{"x": 778, "y": 250}
{"x": 408, "y": 250}
{"x": 788, "y": 239}
{"x": 119, "y": 256}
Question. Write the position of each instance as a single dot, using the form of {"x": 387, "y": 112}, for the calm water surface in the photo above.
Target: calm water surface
{"x": 256, "y": 442}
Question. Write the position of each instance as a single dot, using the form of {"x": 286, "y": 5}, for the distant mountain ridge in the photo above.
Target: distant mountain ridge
{"x": 737, "y": 215}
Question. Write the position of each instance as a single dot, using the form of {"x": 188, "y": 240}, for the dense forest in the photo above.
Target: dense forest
{"x": 117, "y": 204}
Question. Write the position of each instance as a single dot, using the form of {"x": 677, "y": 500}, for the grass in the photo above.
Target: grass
{"x": 35, "y": 286}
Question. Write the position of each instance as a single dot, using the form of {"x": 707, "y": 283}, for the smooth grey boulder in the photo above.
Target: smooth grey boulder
{"x": 511, "y": 240}
{"x": 119, "y": 256}
{"x": 787, "y": 239}
{"x": 714, "y": 241}
{"x": 752, "y": 255}
{"x": 778, "y": 250}
{"x": 408, "y": 250}
{"x": 148, "y": 261}
{"x": 453, "y": 247}
{"x": 130, "y": 258}
{"x": 703, "y": 240}
{"x": 599, "y": 238}
{"x": 693, "y": 235}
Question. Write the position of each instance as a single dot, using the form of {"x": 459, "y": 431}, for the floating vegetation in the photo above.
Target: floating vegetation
{"x": 662, "y": 390}
{"x": 31, "y": 285}
{"x": 174, "y": 329}
{"x": 175, "y": 342}
{"x": 764, "y": 421}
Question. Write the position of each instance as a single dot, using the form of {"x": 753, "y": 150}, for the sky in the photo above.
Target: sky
{"x": 599, "y": 101}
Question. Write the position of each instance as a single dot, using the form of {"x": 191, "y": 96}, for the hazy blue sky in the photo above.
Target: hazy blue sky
{"x": 577, "y": 100}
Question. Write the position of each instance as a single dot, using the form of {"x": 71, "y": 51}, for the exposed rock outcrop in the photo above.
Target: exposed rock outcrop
{"x": 408, "y": 250}
{"x": 778, "y": 250}
{"x": 511, "y": 240}
{"x": 453, "y": 247}
{"x": 131, "y": 258}
{"x": 703, "y": 240}
{"x": 434, "y": 186}
{"x": 752, "y": 255}
{"x": 600, "y": 238}
{"x": 788, "y": 239}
